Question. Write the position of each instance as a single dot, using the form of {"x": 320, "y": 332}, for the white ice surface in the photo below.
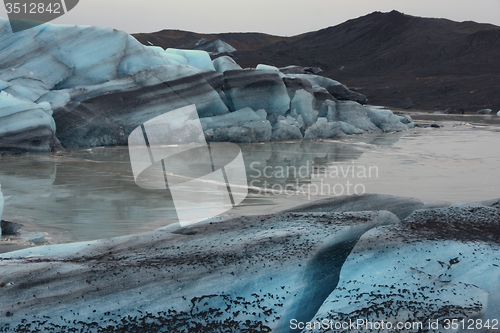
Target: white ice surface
{"x": 386, "y": 120}
{"x": 302, "y": 103}
{"x": 198, "y": 59}
{"x": 17, "y": 115}
{"x": 272, "y": 68}
{"x": 225, "y": 63}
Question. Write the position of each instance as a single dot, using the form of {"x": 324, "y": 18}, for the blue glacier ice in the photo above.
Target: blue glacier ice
{"x": 3, "y": 85}
{"x": 386, "y": 120}
{"x": 218, "y": 281}
{"x": 302, "y": 104}
{"x": 405, "y": 119}
{"x": 336, "y": 89}
{"x": 244, "y": 125}
{"x": 198, "y": 59}
{"x": 235, "y": 118}
{"x": 94, "y": 85}
{"x": 346, "y": 128}
{"x": 286, "y": 129}
{"x": 319, "y": 130}
{"x": 216, "y": 46}
{"x": 316, "y": 80}
{"x": 390, "y": 258}
{"x": 270, "y": 68}
{"x": 225, "y": 63}
{"x": 258, "y": 89}
{"x": 25, "y": 126}
{"x": 294, "y": 84}
{"x": 356, "y": 115}
{"x": 1, "y": 205}
{"x": 417, "y": 270}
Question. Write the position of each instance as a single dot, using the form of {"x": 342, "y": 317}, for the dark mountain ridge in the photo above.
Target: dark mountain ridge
{"x": 394, "y": 42}
{"x": 396, "y": 60}
{"x": 400, "y": 60}
{"x": 242, "y": 41}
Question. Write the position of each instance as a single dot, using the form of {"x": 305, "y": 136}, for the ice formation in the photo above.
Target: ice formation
{"x": 265, "y": 271}
{"x": 1, "y": 205}
{"x": 431, "y": 267}
{"x": 225, "y": 63}
{"x": 195, "y": 58}
{"x": 403, "y": 263}
{"x": 25, "y": 125}
{"x": 89, "y": 86}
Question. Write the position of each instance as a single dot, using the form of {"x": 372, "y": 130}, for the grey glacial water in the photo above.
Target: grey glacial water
{"x": 86, "y": 194}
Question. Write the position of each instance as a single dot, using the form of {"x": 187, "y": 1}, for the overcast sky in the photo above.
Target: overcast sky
{"x": 277, "y": 17}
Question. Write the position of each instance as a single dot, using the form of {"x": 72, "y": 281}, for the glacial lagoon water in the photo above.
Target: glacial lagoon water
{"x": 86, "y": 194}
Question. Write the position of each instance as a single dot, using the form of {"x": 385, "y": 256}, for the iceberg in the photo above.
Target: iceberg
{"x": 95, "y": 85}
{"x": 405, "y": 119}
{"x": 346, "y": 128}
{"x": 334, "y": 88}
{"x": 235, "y": 118}
{"x": 356, "y": 115}
{"x": 108, "y": 118}
{"x": 252, "y": 131}
{"x": 269, "y": 68}
{"x": 295, "y": 84}
{"x": 25, "y": 126}
{"x": 286, "y": 129}
{"x": 324, "y": 101}
{"x": 386, "y": 120}
{"x": 243, "y": 125}
{"x": 302, "y": 104}
{"x": 316, "y": 80}
{"x": 484, "y": 111}
{"x": 257, "y": 89}
{"x": 225, "y": 63}
{"x": 319, "y": 130}
{"x": 215, "y": 47}
{"x": 198, "y": 59}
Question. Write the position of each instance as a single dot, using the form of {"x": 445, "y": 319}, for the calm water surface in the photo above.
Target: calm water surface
{"x": 86, "y": 194}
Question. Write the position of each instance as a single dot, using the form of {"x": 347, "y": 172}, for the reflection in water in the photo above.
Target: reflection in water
{"x": 85, "y": 194}
{"x": 80, "y": 201}
{"x": 294, "y": 167}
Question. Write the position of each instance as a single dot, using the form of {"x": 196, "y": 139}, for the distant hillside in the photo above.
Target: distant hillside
{"x": 394, "y": 59}
{"x": 242, "y": 41}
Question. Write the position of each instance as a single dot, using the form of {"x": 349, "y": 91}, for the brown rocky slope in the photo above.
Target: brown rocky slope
{"x": 394, "y": 59}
